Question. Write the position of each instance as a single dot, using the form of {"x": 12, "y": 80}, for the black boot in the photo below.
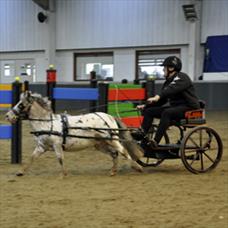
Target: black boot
{"x": 138, "y": 135}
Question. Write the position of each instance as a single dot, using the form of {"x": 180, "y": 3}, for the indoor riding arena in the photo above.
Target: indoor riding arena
{"x": 67, "y": 67}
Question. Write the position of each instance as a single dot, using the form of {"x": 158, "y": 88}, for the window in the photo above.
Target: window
{"x": 148, "y": 63}
{"x": 24, "y": 68}
{"x": 101, "y": 63}
{"x": 150, "y": 68}
{"x": 27, "y": 69}
{"x": 8, "y": 68}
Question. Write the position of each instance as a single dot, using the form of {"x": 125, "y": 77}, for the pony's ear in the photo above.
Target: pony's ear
{"x": 28, "y": 93}
{"x": 47, "y": 101}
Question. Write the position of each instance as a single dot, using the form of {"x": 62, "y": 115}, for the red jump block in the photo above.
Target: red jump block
{"x": 132, "y": 121}
{"x": 126, "y": 94}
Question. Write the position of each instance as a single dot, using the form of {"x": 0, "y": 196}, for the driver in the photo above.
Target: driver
{"x": 176, "y": 97}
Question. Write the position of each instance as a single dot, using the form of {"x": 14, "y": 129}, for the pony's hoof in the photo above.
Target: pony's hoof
{"x": 136, "y": 167}
{"x": 63, "y": 175}
{"x": 19, "y": 174}
{"x": 112, "y": 173}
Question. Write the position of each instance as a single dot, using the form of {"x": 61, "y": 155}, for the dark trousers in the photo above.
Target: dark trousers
{"x": 166, "y": 116}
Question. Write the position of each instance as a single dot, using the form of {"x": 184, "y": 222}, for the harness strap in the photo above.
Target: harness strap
{"x": 51, "y": 118}
{"x": 38, "y": 133}
{"x": 65, "y": 128}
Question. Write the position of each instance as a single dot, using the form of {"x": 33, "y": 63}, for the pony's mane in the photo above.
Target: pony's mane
{"x": 42, "y": 101}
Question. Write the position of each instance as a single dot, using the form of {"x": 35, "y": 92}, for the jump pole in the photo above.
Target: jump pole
{"x": 51, "y": 84}
{"x": 150, "y": 87}
{"x": 16, "y": 141}
{"x": 93, "y": 84}
{"x": 103, "y": 97}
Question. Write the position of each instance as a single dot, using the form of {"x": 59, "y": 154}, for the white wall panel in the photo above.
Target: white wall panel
{"x": 64, "y": 66}
{"x": 214, "y": 18}
{"x": 124, "y": 64}
{"x": 19, "y": 27}
{"x": 106, "y": 23}
{"x": 120, "y": 23}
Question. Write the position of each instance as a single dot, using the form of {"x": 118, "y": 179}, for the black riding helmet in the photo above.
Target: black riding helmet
{"x": 173, "y": 61}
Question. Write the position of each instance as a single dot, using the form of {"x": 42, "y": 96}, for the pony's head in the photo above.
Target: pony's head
{"x": 23, "y": 107}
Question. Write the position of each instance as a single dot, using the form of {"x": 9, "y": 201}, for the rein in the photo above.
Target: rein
{"x": 32, "y": 119}
{"x": 56, "y": 133}
{"x": 89, "y": 128}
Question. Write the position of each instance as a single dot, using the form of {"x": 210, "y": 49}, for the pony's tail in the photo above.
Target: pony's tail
{"x": 134, "y": 150}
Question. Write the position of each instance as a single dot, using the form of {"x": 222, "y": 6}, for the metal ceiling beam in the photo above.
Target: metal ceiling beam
{"x": 44, "y": 4}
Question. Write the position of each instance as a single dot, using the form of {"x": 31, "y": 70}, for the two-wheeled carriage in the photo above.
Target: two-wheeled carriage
{"x": 198, "y": 146}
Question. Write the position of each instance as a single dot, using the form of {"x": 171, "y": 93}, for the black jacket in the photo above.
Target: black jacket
{"x": 179, "y": 90}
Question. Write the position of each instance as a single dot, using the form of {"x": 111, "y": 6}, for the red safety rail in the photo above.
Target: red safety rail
{"x": 126, "y": 94}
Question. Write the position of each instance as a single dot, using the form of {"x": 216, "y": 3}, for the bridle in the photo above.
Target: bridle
{"x": 22, "y": 109}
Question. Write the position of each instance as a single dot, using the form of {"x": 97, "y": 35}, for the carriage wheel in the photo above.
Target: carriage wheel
{"x": 153, "y": 162}
{"x": 201, "y": 149}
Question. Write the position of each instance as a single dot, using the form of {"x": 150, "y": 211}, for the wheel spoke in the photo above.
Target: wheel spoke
{"x": 193, "y": 160}
{"x": 200, "y": 138}
{"x": 209, "y": 157}
{"x": 201, "y": 160}
{"x": 208, "y": 142}
{"x": 193, "y": 141}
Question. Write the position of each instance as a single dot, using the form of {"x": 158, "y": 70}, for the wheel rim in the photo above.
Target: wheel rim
{"x": 201, "y": 150}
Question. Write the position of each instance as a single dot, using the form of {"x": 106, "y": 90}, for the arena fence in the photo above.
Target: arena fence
{"x": 118, "y": 100}
{"x": 96, "y": 94}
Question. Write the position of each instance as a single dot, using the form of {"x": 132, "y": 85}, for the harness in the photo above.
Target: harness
{"x": 65, "y": 130}
{"x": 65, "y": 124}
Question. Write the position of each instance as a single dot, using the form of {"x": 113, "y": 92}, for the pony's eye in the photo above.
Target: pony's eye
{"x": 21, "y": 106}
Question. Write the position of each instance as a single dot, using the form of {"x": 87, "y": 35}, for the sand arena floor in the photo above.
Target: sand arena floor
{"x": 167, "y": 196}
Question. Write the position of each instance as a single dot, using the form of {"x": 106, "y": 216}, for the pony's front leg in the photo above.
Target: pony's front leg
{"x": 36, "y": 153}
{"x": 60, "y": 156}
